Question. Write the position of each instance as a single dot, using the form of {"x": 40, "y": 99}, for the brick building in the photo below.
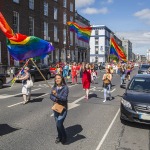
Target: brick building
{"x": 46, "y": 19}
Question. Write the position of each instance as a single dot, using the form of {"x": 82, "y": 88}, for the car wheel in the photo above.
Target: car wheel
{"x": 33, "y": 78}
{"x": 1, "y": 84}
{"x": 48, "y": 76}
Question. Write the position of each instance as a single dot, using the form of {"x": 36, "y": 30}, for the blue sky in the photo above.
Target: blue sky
{"x": 126, "y": 18}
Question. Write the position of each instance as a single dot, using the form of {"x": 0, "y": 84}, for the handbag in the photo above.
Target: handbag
{"x": 58, "y": 108}
{"x": 29, "y": 83}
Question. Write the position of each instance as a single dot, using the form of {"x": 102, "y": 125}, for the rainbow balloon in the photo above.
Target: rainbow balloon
{"x": 22, "y": 47}
{"x": 83, "y": 33}
{"x": 116, "y": 50}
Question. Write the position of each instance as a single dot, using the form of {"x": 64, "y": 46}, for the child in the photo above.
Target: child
{"x": 93, "y": 75}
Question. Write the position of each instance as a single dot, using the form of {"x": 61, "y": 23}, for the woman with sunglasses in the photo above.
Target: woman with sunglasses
{"x": 59, "y": 94}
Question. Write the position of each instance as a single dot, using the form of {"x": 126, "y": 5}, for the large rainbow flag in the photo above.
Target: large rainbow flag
{"x": 22, "y": 47}
{"x": 116, "y": 50}
{"x": 83, "y": 33}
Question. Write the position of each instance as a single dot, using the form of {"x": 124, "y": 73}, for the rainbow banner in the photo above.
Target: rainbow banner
{"x": 83, "y": 33}
{"x": 22, "y": 47}
{"x": 116, "y": 50}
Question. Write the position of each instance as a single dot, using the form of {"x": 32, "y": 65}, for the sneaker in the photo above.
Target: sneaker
{"x": 104, "y": 101}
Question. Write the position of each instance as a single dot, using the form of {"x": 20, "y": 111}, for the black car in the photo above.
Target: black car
{"x": 143, "y": 69}
{"x": 35, "y": 75}
{"x": 2, "y": 80}
{"x": 135, "y": 104}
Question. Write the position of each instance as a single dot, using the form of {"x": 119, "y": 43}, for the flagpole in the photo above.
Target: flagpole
{"x": 40, "y": 73}
{"x": 19, "y": 73}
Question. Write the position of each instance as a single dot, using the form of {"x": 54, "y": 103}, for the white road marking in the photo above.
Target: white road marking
{"x": 107, "y": 131}
{"x": 8, "y": 96}
{"x": 113, "y": 90}
{"x": 31, "y": 100}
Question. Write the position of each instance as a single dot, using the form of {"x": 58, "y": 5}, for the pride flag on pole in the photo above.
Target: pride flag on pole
{"x": 116, "y": 50}
{"x": 22, "y": 47}
{"x": 83, "y": 33}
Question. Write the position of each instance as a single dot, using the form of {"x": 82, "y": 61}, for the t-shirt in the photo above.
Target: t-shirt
{"x": 74, "y": 70}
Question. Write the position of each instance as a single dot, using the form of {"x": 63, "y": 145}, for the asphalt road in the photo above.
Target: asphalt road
{"x": 90, "y": 125}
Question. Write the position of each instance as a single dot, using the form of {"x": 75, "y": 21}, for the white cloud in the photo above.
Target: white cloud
{"x": 107, "y": 2}
{"x": 140, "y": 40}
{"x": 84, "y": 3}
{"x": 91, "y": 10}
{"x": 143, "y": 15}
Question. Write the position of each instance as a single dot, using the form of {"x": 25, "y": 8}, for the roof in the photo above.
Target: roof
{"x": 142, "y": 76}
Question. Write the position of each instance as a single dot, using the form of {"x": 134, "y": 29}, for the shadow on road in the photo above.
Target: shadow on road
{"x": 36, "y": 100}
{"x": 135, "y": 125}
{"x": 73, "y": 134}
{"x": 92, "y": 95}
{"x": 6, "y": 129}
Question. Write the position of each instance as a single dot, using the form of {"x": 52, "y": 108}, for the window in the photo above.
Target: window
{"x": 71, "y": 18}
{"x": 55, "y": 33}
{"x": 65, "y": 3}
{"x": 45, "y": 9}
{"x": 96, "y": 41}
{"x": 16, "y": 1}
{"x": 31, "y": 4}
{"x": 65, "y": 18}
{"x": 71, "y": 7}
{"x": 31, "y": 26}
{"x": 0, "y": 53}
{"x": 45, "y": 30}
{"x": 15, "y": 22}
{"x": 96, "y": 49}
{"x": 55, "y": 13}
{"x": 71, "y": 38}
{"x": 96, "y": 32}
{"x": 64, "y": 36}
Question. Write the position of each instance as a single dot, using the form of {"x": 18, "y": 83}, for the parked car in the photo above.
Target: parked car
{"x": 2, "y": 80}
{"x": 143, "y": 69}
{"x": 135, "y": 104}
{"x": 35, "y": 75}
{"x": 52, "y": 70}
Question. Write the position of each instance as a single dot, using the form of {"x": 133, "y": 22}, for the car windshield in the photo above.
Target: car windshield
{"x": 145, "y": 66}
{"x": 140, "y": 84}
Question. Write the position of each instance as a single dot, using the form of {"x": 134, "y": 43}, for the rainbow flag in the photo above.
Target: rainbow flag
{"x": 116, "y": 50}
{"x": 22, "y": 47}
{"x": 83, "y": 33}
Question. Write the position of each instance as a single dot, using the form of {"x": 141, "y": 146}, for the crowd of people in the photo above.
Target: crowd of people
{"x": 88, "y": 74}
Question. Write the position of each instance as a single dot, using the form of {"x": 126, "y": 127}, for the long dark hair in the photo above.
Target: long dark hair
{"x": 62, "y": 82}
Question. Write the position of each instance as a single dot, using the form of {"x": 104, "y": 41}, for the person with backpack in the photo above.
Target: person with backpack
{"x": 107, "y": 78}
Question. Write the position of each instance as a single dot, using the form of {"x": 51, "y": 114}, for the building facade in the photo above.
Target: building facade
{"x": 148, "y": 55}
{"x": 100, "y": 43}
{"x": 46, "y": 19}
{"x": 127, "y": 46}
{"x": 82, "y": 50}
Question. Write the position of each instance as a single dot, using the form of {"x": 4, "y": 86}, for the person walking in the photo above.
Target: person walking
{"x": 59, "y": 95}
{"x": 58, "y": 69}
{"x": 107, "y": 78}
{"x": 122, "y": 74}
{"x": 86, "y": 80}
{"x": 74, "y": 73}
{"x": 93, "y": 75}
{"x": 26, "y": 92}
{"x": 66, "y": 71}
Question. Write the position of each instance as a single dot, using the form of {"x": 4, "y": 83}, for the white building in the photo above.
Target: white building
{"x": 100, "y": 43}
{"x": 148, "y": 54}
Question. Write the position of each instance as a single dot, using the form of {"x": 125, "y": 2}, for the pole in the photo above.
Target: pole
{"x": 19, "y": 73}
{"x": 40, "y": 72}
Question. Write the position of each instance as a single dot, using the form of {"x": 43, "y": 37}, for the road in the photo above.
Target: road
{"x": 90, "y": 124}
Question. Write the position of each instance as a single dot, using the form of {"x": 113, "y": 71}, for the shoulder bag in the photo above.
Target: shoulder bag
{"x": 29, "y": 83}
{"x": 58, "y": 108}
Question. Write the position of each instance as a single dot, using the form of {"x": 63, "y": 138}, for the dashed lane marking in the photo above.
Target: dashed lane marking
{"x": 31, "y": 100}
{"x": 8, "y": 96}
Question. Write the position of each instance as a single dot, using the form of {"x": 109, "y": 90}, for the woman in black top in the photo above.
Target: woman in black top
{"x": 59, "y": 94}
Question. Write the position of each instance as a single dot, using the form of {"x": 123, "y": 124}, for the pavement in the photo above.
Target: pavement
{"x": 90, "y": 124}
